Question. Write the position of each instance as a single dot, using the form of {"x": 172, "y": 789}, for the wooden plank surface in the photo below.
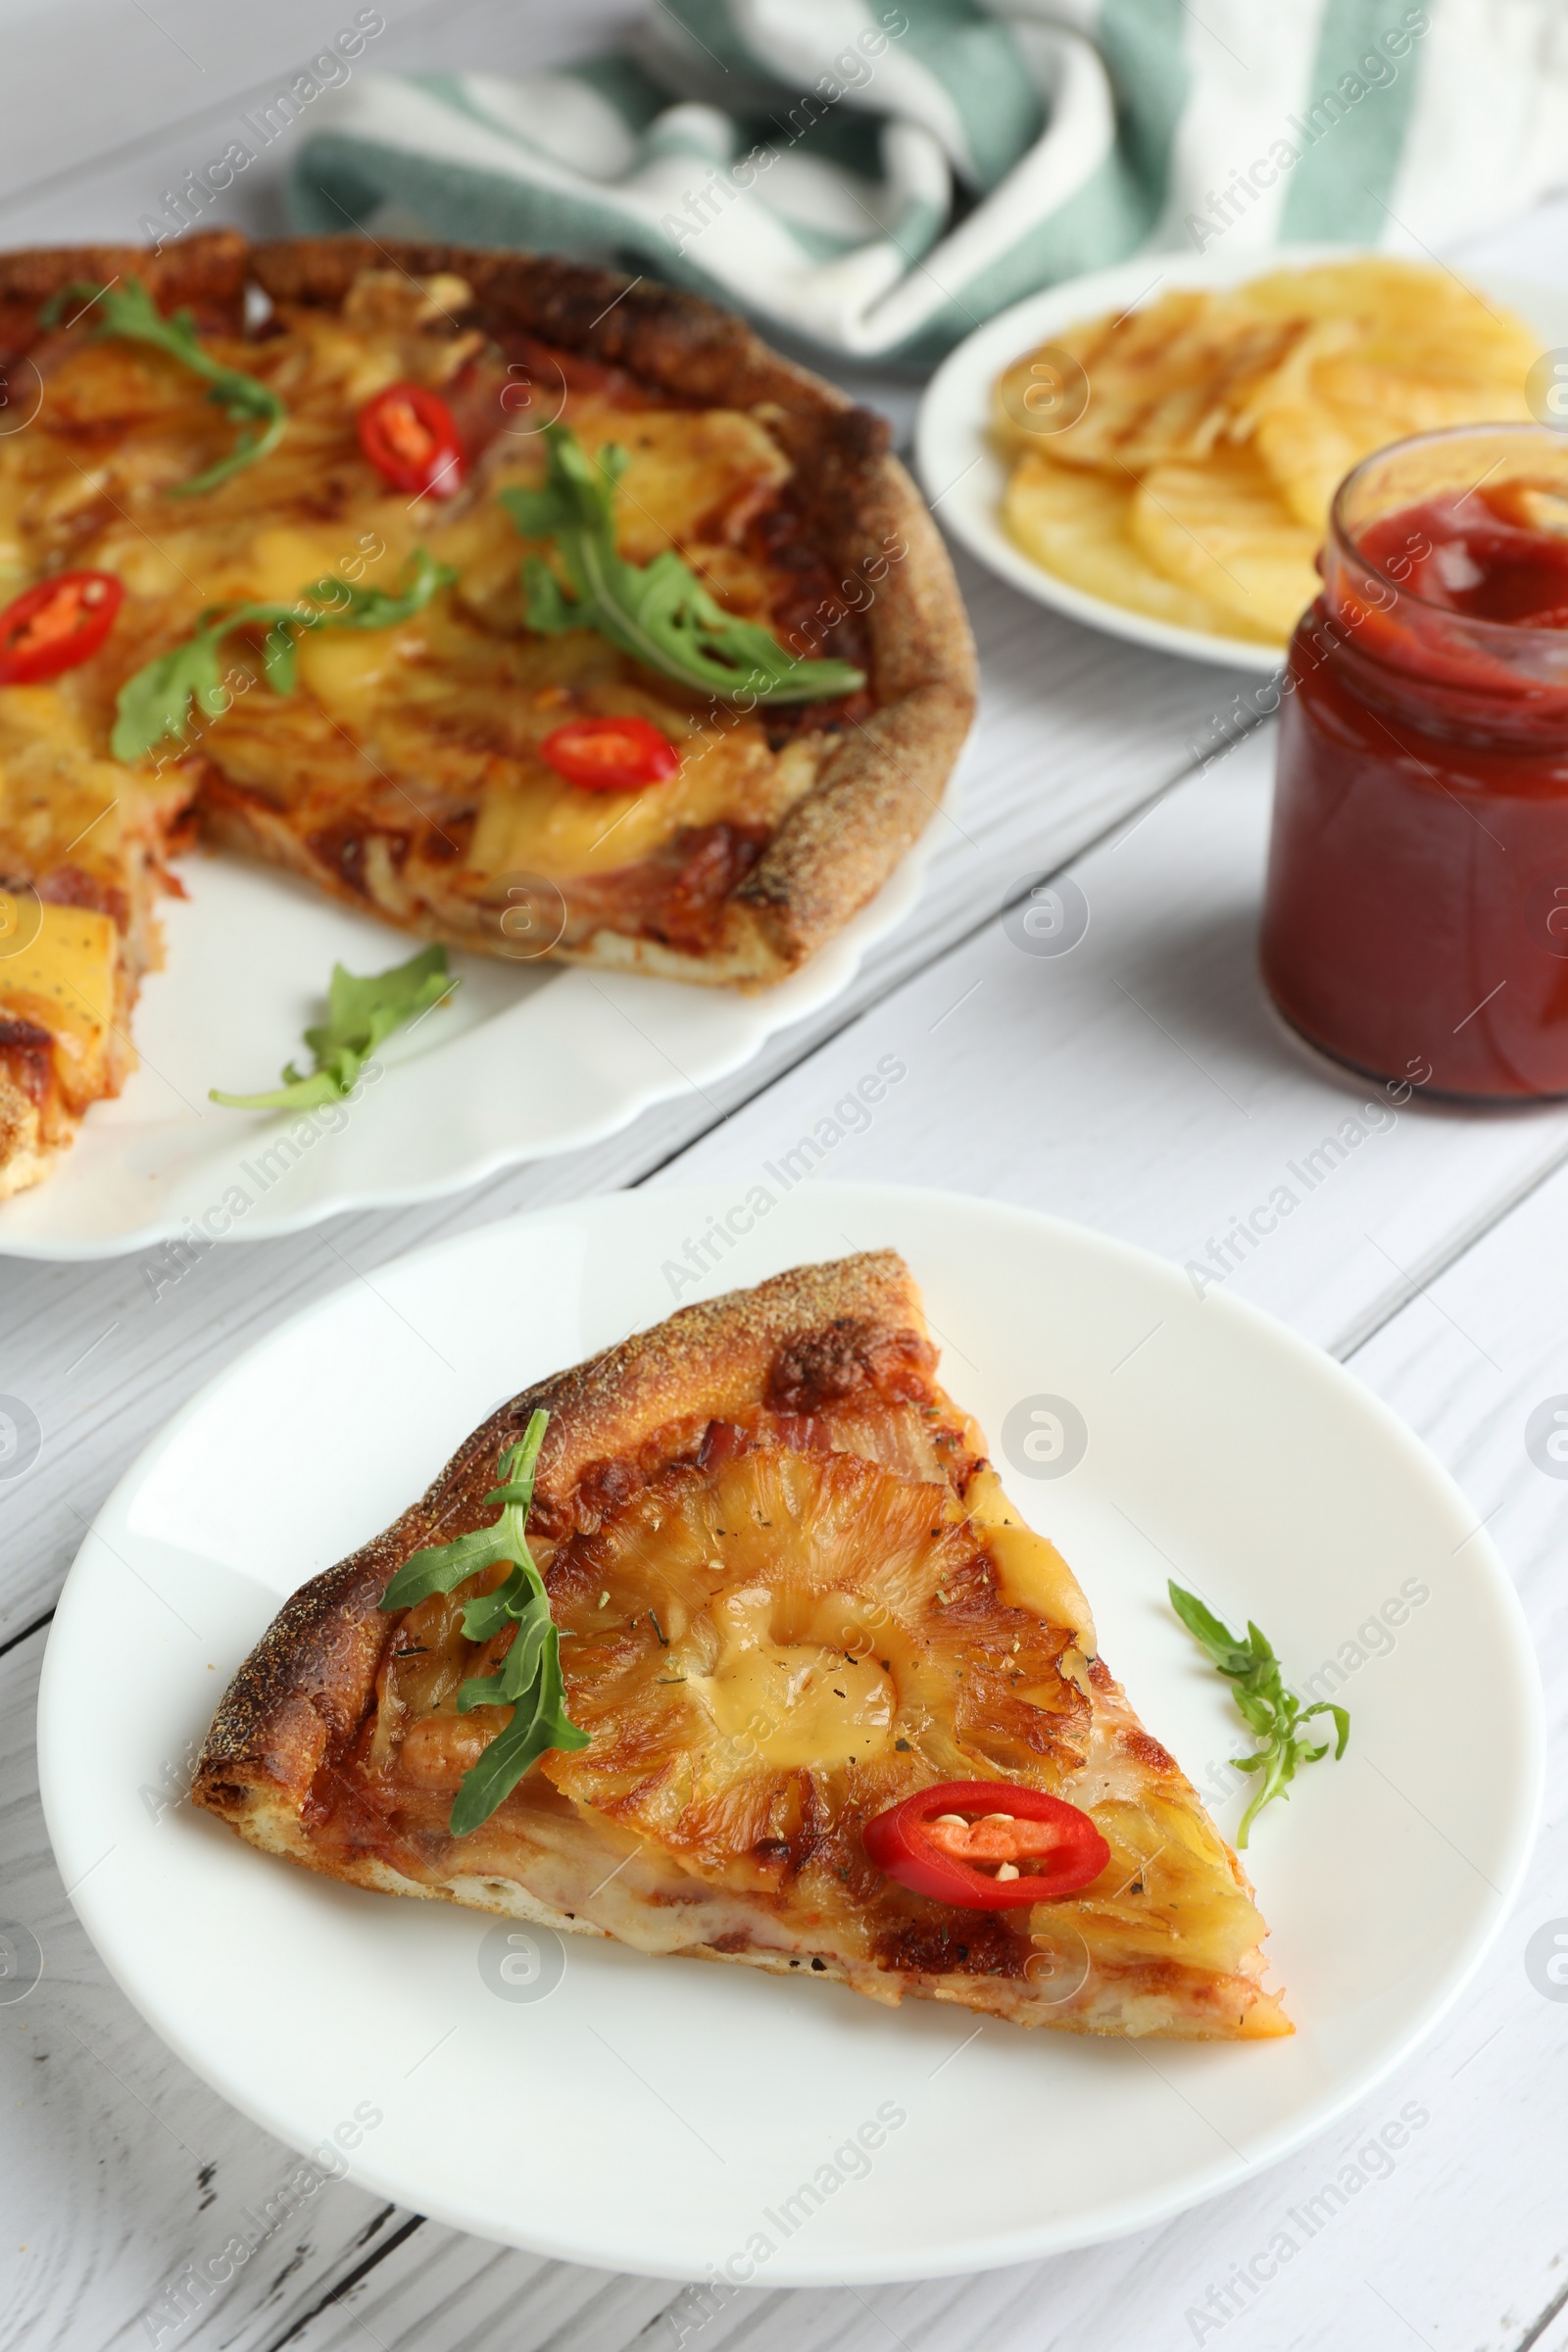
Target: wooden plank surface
{"x": 1140, "y": 1081}
{"x": 89, "y": 154}
{"x": 1137, "y": 1083}
{"x": 1465, "y": 1366}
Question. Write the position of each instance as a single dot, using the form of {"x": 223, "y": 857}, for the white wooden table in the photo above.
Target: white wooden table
{"x": 1140, "y": 1085}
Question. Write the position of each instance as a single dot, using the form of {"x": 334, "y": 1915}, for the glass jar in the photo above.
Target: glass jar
{"x": 1416, "y": 909}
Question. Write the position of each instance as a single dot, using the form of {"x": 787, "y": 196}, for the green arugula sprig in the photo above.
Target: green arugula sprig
{"x": 657, "y": 612}
{"x": 360, "y": 1013}
{"x": 1268, "y": 1709}
{"x": 128, "y": 310}
{"x": 158, "y": 700}
{"x": 529, "y": 1681}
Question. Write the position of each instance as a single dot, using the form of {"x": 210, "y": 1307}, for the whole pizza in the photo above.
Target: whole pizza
{"x": 484, "y": 591}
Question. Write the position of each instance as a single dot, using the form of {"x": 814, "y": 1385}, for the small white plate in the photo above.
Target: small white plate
{"x": 674, "y": 2118}
{"x": 965, "y": 478}
{"x": 527, "y": 1059}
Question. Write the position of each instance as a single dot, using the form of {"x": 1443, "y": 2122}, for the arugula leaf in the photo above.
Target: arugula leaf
{"x": 360, "y": 1013}
{"x": 659, "y": 613}
{"x": 157, "y": 701}
{"x": 529, "y": 1680}
{"x": 128, "y": 310}
{"x": 1268, "y": 1709}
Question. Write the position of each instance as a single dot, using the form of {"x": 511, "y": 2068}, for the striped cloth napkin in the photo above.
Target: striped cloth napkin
{"x": 874, "y": 177}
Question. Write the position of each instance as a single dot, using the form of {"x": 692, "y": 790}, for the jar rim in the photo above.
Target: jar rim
{"x": 1499, "y": 632}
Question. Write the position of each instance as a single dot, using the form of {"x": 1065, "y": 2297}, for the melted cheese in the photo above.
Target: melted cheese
{"x": 1030, "y": 1571}
{"x": 59, "y": 802}
{"x": 12, "y": 547}
{"x": 690, "y": 473}
{"x": 284, "y": 559}
{"x": 346, "y": 669}
{"x": 31, "y": 715}
{"x": 545, "y": 824}
{"x": 792, "y": 1705}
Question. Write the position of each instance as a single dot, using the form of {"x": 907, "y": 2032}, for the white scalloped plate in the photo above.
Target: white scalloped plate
{"x": 526, "y": 1060}
{"x": 675, "y": 2118}
{"x": 965, "y": 478}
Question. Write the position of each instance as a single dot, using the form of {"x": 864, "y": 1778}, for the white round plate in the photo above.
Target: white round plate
{"x": 665, "y": 2116}
{"x": 965, "y": 478}
{"x": 527, "y": 1059}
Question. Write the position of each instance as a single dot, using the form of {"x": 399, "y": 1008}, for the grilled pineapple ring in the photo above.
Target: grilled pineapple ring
{"x": 815, "y": 1611}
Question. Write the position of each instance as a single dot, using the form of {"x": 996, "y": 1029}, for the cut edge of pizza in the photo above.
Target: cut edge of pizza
{"x": 85, "y": 841}
{"x": 789, "y": 1595}
{"x": 79, "y": 933}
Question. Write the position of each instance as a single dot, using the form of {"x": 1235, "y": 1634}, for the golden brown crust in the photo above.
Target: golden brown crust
{"x": 881, "y": 781}
{"x": 308, "y": 1680}
{"x": 207, "y": 271}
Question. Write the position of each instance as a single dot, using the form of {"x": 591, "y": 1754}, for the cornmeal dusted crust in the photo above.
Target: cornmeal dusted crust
{"x": 878, "y": 782}
{"x": 309, "y": 1679}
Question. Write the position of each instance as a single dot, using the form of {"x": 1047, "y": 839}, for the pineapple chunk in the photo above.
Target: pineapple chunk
{"x": 63, "y": 981}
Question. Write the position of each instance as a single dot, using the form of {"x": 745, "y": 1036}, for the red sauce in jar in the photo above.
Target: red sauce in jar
{"x": 1478, "y": 552}
{"x": 1416, "y": 913}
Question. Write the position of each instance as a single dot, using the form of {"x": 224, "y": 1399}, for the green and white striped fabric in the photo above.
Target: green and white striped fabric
{"x": 874, "y": 177}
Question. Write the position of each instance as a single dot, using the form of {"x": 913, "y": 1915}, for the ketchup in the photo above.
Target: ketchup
{"x": 1416, "y": 909}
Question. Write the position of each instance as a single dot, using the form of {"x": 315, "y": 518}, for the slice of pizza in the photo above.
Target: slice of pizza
{"x": 728, "y": 1644}
{"x": 84, "y": 851}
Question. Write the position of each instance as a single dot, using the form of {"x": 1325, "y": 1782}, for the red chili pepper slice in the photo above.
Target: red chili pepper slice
{"x": 1050, "y": 1847}
{"x": 51, "y": 627}
{"x": 411, "y": 435}
{"x": 610, "y": 755}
